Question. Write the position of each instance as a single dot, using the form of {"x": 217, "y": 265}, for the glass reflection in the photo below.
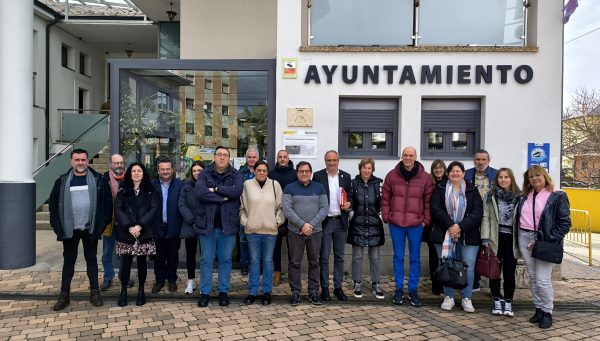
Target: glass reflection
{"x": 164, "y": 114}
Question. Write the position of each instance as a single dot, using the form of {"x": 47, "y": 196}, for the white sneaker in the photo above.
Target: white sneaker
{"x": 508, "y": 309}
{"x": 467, "y": 305}
{"x": 448, "y": 303}
{"x": 190, "y": 286}
{"x": 497, "y": 310}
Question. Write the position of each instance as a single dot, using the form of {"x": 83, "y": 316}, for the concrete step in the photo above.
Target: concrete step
{"x": 42, "y": 216}
{"x": 43, "y": 225}
{"x": 44, "y": 208}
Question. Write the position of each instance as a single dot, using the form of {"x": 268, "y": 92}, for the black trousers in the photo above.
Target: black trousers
{"x": 281, "y": 235}
{"x": 191, "y": 248}
{"x": 125, "y": 274}
{"x": 166, "y": 259}
{"x": 434, "y": 261}
{"x": 70, "y": 250}
{"x": 508, "y": 264}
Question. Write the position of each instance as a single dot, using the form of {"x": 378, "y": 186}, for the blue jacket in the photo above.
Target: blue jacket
{"x": 489, "y": 172}
{"x": 229, "y": 186}
{"x": 246, "y": 173}
{"x": 174, "y": 218}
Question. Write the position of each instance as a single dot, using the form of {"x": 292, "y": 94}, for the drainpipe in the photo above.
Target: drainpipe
{"x": 47, "y": 111}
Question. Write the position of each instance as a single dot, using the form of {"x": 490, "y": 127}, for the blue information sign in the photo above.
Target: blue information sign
{"x": 538, "y": 154}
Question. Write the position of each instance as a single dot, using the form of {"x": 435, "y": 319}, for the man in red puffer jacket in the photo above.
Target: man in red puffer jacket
{"x": 405, "y": 207}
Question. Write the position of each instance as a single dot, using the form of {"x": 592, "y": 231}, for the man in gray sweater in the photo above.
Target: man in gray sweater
{"x": 305, "y": 205}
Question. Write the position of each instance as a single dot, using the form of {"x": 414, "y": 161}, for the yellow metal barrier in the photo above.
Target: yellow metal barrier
{"x": 586, "y": 199}
{"x": 581, "y": 230}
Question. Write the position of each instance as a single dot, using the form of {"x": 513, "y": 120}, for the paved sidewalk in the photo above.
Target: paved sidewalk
{"x": 27, "y": 296}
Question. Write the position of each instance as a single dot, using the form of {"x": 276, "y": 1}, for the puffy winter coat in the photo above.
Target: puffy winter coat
{"x": 188, "y": 207}
{"x": 366, "y": 227}
{"x": 441, "y": 220}
{"x": 133, "y": 210}
{"x": 226, "y": 198}
{"x": 406, "y": 203}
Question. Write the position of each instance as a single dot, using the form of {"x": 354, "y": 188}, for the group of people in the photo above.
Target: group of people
{"x": 456, "y": 211}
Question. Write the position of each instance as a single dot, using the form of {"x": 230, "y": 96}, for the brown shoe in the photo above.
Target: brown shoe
{"x": 172, "y": 287}
{"x": 63, "y": 301}
{"x": 276, "y": 278}
{"x": 95, "y": 298}
{"x": 157, "y": 287}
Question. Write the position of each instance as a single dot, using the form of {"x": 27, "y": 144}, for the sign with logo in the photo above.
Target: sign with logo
{"x": 290, "y": 70}
{"x": 538, "y": 154}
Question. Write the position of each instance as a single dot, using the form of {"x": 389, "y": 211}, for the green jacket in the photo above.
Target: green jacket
{"x": 490, "y": 226}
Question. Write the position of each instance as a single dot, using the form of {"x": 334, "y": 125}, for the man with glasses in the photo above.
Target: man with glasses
{"x": 305, "y": 206}
{"x": 218, "y": 190}
{"x": 113, "y": 177}
{"x": 335, "y": 226}
{"x": 168, "y": 229}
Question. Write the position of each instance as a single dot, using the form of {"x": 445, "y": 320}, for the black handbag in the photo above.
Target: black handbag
{"x": 547, "y": 251}
{"x": 452, "y": 271}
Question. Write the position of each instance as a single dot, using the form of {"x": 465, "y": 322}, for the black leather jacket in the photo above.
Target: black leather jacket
{"x": 366, "y": 227}
{"x": 555, "y": 221}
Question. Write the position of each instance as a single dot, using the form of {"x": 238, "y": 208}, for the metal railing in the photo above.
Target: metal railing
{"x": 86, "y": 131}
{"x": 581, "y": 231}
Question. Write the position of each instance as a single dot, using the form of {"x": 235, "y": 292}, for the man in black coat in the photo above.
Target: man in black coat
{"x": 335, "y": 226}
{"x": 80, "y": 209}
{"x": 285, "y": 174}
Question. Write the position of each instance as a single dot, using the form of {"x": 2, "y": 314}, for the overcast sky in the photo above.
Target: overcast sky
{"x": 582, "y": 56}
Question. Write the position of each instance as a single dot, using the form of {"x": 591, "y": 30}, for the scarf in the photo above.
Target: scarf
{"x": 114, "y": 183}
{"x": 409, "y": 174}
{"x": 506, "y": 205}
{"x": 456, "y": 205}
{"x": 68, "y": 221}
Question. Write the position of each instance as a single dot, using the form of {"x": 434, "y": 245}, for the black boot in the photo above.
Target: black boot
{"x": 546, "y": 321}
{"x": 122, "y": 297}
{"x": 537, "y": 317}
{"x": 141, "y": 297}
{"x": 63, "y": 301}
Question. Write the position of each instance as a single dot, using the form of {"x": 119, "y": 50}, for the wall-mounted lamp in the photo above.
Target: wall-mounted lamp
{"x": 171, "y": 14}
{"x": 129, "y": 51}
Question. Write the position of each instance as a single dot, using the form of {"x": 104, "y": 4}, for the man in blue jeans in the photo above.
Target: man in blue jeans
{"x": 405, "y": 207}
{"x": 218, "y": 190}
{"x": 113, "y": 177}
{"x": 247, "y": 172}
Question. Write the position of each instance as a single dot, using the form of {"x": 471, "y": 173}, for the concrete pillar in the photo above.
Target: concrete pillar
{"x": 17, "y": 188}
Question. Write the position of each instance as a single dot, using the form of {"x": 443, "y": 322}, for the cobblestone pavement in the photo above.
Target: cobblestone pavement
{"x": 27, "y": 296}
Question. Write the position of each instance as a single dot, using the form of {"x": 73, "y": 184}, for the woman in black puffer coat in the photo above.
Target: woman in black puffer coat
{"x": 366, "y": 227}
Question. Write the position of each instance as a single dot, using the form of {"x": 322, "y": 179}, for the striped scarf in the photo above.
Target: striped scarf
{"x": 456, "y": 205}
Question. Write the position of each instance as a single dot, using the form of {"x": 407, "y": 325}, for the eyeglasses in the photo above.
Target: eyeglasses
{"x": 304, "y": 171}
{"x": 260, "y": 171}
{"x": 221, "y": 155}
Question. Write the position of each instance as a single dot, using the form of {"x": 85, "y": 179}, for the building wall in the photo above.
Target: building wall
{"x": 233, "y": 29}
{"x": 64, "y": 82}
{"x": 512, "y": 114}
{"x": 39, "y": 91}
